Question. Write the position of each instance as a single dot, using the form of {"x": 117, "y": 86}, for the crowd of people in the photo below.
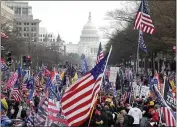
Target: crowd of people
{"x": 110, "y": 110}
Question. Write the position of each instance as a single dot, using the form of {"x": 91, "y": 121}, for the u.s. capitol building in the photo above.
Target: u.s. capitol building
{"x": 89, "y": 42}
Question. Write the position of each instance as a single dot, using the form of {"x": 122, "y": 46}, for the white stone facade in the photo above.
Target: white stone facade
{"x": 89, "y": 42}
{"x": 7, "y": 15}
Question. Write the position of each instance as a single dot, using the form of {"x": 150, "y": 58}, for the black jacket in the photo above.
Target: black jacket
{"x": 128, "y": 121}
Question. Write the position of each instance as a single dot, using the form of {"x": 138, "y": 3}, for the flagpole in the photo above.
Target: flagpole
{"x": 100, "y": 85}
{"x": 138, "y": 39}
{"x": 106, "y": 66}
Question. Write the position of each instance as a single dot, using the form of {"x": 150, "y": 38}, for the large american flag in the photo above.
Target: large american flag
{"x": 143, "y": 20}
{"x": 100, "y": 54}
{"x": 3, "y": 35}
{"x": 79, "y": 98}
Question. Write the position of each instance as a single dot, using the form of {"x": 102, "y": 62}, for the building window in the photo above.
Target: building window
{"x": 43, "y": 35}
{"x": 33, "y": 29}
{"x": 26, "y": 28}
{"x": 18, "y": 11}
{"x": 31, "y": 23}
{"x": 24, "y": 23}
{"x": 41, "y": 39}
{"x": 27, "y": 23}
{"x": 27, "y": 34}
{"x": 34, "y": 23}
{"x": 24, "y": 34}
{"x": 53, "y": 40}
{"x": 34, "y": 34}
{"x": 19, "y": 28}
{"x": 19, "y": 34}
{"x": 25, "y": 11}
{"x": 18, "y": 23}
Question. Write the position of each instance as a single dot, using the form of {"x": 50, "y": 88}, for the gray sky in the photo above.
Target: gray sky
{"x": 68, "y": 17}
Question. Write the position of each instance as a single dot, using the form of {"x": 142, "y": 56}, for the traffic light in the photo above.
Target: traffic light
{"x": 29, "y": 60}
{"x": 9, "y": 59}
{"x": 24, "y": 60}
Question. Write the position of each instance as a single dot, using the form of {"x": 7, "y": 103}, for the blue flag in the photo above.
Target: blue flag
{"x": 141, "y": 42}
{"x": 30, "y": 83}
{"x": 48, "y": 83}
{"x": 30, "y": 86}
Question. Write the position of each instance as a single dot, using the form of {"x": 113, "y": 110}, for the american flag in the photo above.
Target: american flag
{"x": 3, "y": 35}
{"x": 79, "y": 98}
{"x": 30, "y": 120}
{"x": 53, "y": 113}
{"x": 166, "y": 111}
{"x": 168, "y": 117}
{"x": 100, "y": 54}
{"x": 42, "y": 113}
{"x": 143, "y": 21}
{"x": 48, "y": 112}
{"x": 15, "y": 94}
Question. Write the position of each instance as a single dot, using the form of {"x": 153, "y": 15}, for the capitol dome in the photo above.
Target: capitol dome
{"x": 89, "y": 32}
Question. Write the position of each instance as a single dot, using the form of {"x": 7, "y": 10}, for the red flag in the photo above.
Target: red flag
{"x": 3, "y": 35}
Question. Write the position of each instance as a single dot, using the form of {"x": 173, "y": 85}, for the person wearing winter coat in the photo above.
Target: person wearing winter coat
{"x": 99, "y": 119}
{"x": 120, "y": 120}
{"x": 136, "y": 113}
{"x": 155, "y": 115}
{"x": 128, "y": 120}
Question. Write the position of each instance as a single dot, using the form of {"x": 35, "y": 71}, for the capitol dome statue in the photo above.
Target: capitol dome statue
{"x": 89, "y": 40}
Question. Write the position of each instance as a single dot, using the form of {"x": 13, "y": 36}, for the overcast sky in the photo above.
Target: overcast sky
{"x": 68, "y": 17}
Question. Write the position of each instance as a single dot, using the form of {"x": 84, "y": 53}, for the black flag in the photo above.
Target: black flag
{"x": 118, "y": 86}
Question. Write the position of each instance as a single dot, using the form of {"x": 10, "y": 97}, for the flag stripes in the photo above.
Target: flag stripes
{"x": 143, "y": 20}
{"x": 168, "y": 117}
{"x": 79, "y": 98}
{"x": 100, "y": 54}
{"x": 16, "y": 95}
{"x": 42, "y": 113}
{"x": 24, "y": 87}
